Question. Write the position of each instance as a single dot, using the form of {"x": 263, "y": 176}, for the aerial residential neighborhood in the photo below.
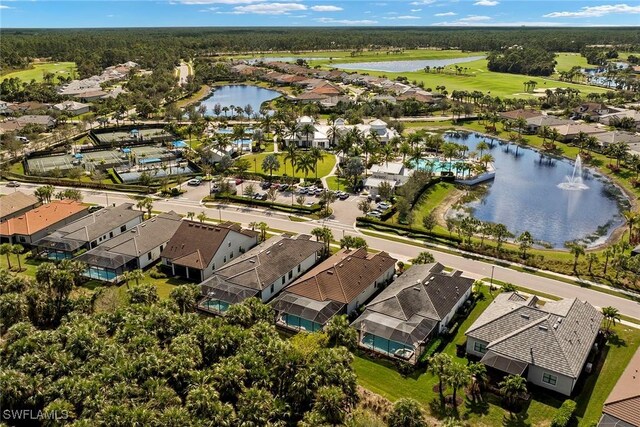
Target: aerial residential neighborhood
{"x": 249, "y": 213}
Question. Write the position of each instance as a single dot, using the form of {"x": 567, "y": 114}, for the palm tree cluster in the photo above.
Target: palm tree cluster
{"x": 457, "y": 376}
{"x": 159, "y": 363}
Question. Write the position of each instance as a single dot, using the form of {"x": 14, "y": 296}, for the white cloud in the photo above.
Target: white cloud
{"x": 486, "y": 3}
{"x": 209, "y": 9}
{"x": 446, "y": 14}
{"x": 422, "y": 2}
{"x": 346, "y": 21}
{"x": 416, "y": 10}
{"x": 327, "y": 8}
{"x": 4, "y": 6}
{"x": 215, "y": 1}
{"x": 475, "y": 18}
{"x": 596, "y": 11}
{"x": 270, "y": 8}
{"x": 404, "y": 17}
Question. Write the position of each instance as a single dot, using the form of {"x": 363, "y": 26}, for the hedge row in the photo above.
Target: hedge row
{"x": 564, "y": 415}
{"x": 82, "y": 184}
{"x": 268, "y": 204}
{"x": 404, "y": 230}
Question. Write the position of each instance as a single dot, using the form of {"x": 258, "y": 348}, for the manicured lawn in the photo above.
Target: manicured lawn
{"x": 29, "y": 265}
{"x": 568, "y": 60}
{"x": 481, "y": 79}
{"x": 324, "y": 166}
{"x": 36, "y": 73}
{"x": 380, "y": 376}
{"x": 336, "y": 183}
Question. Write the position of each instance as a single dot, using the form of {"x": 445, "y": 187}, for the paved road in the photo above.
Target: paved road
{"x": 402, "y": 251}
{"x": 183, "y": 73}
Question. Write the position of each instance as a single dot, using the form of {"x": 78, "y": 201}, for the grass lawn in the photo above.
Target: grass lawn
{"x": 324, "y": 166}
{"x": 480, "y": 78}
{"x": 380, "y": 376}
{"x": 429, "y": 200}
{"x": 568, "y": 60}
{"x": 29, "y": 265}
{"x": 336, "y": 183}
{"x": 37, "y": 71}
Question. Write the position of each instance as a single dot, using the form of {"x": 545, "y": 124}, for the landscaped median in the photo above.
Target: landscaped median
{"x": 264, "y": 203}
{"x": 63, "y": 182}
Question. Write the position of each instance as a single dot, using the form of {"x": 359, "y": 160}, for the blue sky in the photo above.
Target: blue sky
{"x": 183, "y": 13}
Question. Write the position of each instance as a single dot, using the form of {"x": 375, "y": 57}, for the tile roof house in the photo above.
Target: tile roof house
{"x": 72, "y": 107}
{"x": 197, "y": 249}
{"x": 89, "y": 231}
{"x": 36, "y": 223}
{"x": 338, "y": 285}
{"x": 140, "y": 247}
{"x": 261, "y": 272}
{"x": 622, "y": 407}
{"x": 416, "y": 306}
{"x": 16, "y": 203}
{"x": 547, "y": 344}
{"x": 568, "y": 132}
{"x": 521, "y": 113}
{"x": 535, "y": 123}
{"x": 592, "y": 111}
{"x": 40, "y": 120}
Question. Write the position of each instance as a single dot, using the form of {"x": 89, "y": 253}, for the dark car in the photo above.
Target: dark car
{"x": 265, "y": 185}
{"x": 96, "y": 208}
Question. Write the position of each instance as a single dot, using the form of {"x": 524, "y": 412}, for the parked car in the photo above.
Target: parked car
{"x": 194, "y": 182}
{"x": 283, "y": 187}
{"x": 95, "y": 208}
{"x": 374, "y": 214}
{"x": 302, "y": 190}
{"x": 13, "y": 184}
{"x": 384, "y": 206}
{"x": 239, "y": 181}
{"x": 260, "y": 196}
{"x": 265, "y": 185}
{"x": 343, "y": 196}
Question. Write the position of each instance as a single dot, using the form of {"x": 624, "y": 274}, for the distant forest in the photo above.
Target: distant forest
{"x": 94, "y": 49}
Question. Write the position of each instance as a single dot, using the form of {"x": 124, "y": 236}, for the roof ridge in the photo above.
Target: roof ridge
{"x": 471, "y": 328}
{"x": 517, "y": 331}
{"x": 559, "y": 344}
{"x": 624, "y": 399}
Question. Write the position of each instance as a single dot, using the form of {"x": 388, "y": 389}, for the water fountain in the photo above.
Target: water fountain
{"x": 574, "y": 182}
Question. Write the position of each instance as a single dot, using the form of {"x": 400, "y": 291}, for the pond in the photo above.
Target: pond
{"x": 238, "y": 96}
{"x": 525, "y": 196}
{"x": 408, "y": 65}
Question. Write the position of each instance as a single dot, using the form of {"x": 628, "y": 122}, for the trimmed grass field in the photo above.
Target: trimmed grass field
{"x": 324, "y": 166}
{"x": 336, "y": 183}
{"x": 37, "y": 71}
{"x": 380, "y": 376}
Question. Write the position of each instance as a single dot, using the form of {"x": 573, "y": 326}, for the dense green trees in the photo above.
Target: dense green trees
{"x": 158, "y": 363}
{"x": 522, "y": 60}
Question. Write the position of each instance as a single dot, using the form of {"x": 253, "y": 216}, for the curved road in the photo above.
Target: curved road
{"x": 280, "y": 221}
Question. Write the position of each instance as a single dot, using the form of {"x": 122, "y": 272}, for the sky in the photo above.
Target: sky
{"x": 301, "y": 13}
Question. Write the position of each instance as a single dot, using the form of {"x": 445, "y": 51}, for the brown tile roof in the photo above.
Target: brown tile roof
{"x": 343, "y": 276}
{"x": 40, "y": 218}
{"x": 15, "y": 202}
{"x": 195, "y": 244}
{"x": 624, "y": 400}
{"x": 515, "y": 114}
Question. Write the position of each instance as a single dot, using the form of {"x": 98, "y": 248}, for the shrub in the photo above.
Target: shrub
{"x": 155, "y": 273}
{"x": 565, "y": 414}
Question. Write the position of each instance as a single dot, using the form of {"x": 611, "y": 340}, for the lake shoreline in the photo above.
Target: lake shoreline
{"x": 613, "y": 236}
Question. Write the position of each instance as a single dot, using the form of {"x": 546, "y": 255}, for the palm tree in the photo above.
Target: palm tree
{"x": 292, "y": 154}
{"x": 5, "y": 249}
{"x": 632, "y": 218}
{"x": 190, "y": 215}
{"x": 439, "y": 365}
{"x": 263, "y": 227}
{"x": 591, "y": 259}
{"x": 482, "y": 145}
{"x": 512, "y": 387}
{"x": 136, "y": 275}
{"x": 202, "y": 216}
{"x": 576, "y": 250}
{"x": 369, "y": 146}
{"x": 486, "y": 159}
{"x": 333, "y": 133}
{"x": 307, "y": 129}
{"x": 457, "y": 378}
{"x": 305, "y": 164}
{"x": 317, "y": 155}
{"x": 479, "y": 379}
{"x": 270, "y": 163}
{"x": 17, "y": 250}
{"x": 611, "y": 316}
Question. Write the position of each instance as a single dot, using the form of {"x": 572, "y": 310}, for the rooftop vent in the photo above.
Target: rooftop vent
{"x": 524, "y": 316}
{"x": 341, "y": 265}
{"x": 268, "y": 252}
{"x": 415, "y": 288}
{"x": 329, "y": 271}
{"x": 543, "y": 328}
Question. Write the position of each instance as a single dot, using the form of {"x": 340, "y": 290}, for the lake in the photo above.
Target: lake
{"x": 525, "y": 196}
{"x": 402, "y": 66}
{"x": 238, "y": 96}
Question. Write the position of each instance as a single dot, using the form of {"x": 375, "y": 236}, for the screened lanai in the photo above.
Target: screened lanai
{"x": 304, "y": 314}
{"x": 394, "y": 337}
{"x": 218, "y": 294}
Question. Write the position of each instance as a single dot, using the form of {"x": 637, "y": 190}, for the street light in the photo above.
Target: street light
{"x": 220, "y": 213}
{"x": 493, "y": 267}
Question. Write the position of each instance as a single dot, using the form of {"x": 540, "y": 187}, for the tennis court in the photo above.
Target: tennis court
{"x": 42, "y": 165}
{"x": 104, "y": 159}
{"x": 135, "y": 134}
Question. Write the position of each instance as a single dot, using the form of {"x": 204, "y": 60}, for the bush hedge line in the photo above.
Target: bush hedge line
{"x": 564, "y": 415}
{"x": 405, "y": 230}
{"x": 82, "y": 184}
{"x": 268, "y": 204}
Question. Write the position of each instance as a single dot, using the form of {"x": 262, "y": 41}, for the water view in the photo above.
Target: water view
{"x": 408, "y": 65}
{"x": 238, "y": 96}
{"x": 281, "y": 59}
{"x": 526, "y": 196}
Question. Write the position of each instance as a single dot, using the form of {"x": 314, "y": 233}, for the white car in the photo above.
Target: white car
{"x": 194, "y": 181}
{"x": 13, "y": 184}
